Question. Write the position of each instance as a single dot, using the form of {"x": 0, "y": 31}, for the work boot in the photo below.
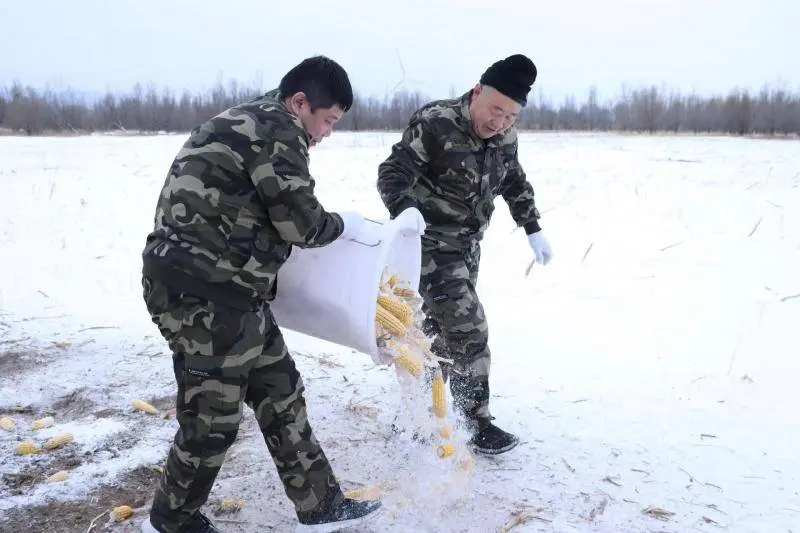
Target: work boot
{"x": 349, "y": 513}
{"x": 490, "y": 439}
{"x": 199, "y": 524}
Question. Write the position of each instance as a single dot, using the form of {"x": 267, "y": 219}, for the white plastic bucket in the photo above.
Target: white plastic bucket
{"x": 331, "y": 292}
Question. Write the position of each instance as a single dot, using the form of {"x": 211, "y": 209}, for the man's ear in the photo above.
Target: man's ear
{"x": 297, "y": 102}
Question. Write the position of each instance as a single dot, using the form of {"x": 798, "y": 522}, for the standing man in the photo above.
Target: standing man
{"x": 455, "y": 157}
{"x": 236, "y": 200}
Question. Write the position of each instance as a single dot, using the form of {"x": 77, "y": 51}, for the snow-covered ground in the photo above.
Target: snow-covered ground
{"x": 650, "y": 366}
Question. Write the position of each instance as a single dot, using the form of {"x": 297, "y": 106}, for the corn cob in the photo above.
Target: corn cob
{"x": 403, "y": 292}
{"x": 139, "y": 405}
{"x": 408, "y": 362}
{"x": 229, "y": 505}
{"x": 389, "y": 321}
{"x": 43, "y": 423}
{"x": 363, "y": 493}
{"x": 393, "y": 279}
{"x": 27, "y": 448}
{"x": 439, "y": 398}
{"x": 122, "y": 512}
{"x": 61, "y": 475}
{"x": 446, "y": 432}
{"x": 398, "y": 308}
{"x": 58, "y": 441}
{"x": 445, "y": 450}
{"x": 6, "y": 423}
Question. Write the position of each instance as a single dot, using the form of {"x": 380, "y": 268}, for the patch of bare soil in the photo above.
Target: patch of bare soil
{"x": 17, "y": 360}
{"x": 134, "y": 489}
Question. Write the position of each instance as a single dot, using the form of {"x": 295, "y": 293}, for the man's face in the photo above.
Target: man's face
{"x": 492, "y": 112}
{"x": 319, "y": 122}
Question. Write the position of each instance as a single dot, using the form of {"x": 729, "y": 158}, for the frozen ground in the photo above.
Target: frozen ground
{"x": 651, "y": 365}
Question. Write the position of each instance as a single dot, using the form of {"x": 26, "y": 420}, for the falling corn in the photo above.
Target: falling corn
{"x": 61, "y": 475}
{"x": 393, "y": 280}
{"x": 446, "y": 432}
{"x": 28, "y": 448}
{"x": 439, "y": 399}
{"x": 363, "y": 493}
{"x": 7, "y": 424}
{"x": 408, "y": 362}
{"x": 403, "y": 292}
{"x": 390, "y": 322}
{"x": 43, "y": 423}
{"x": 122, "y": 512}
{"x": 58, "y": 441}
{"x": 398, "y": 308}
{"x": 139, "y": 405}
{"x": 445, "y": 450}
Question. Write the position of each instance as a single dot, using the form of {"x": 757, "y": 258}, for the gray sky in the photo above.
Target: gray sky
{"x": 708, "y": 46}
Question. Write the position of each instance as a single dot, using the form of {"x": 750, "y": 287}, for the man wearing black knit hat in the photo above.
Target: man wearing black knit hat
{"x": 454, "y": 158}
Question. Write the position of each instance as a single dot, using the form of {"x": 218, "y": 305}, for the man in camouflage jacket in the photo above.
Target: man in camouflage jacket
{"x": 236, "y": 199}
{"x": 454, "y": 158}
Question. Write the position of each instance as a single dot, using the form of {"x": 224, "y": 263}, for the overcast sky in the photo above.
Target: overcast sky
{"x": 708, "y": 46}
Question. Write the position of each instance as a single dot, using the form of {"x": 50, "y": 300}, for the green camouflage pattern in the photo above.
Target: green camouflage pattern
{"x": 237, "y": 197}
{"x": 454, "y": 317}
{"x": 224, "y": 358}
{"x": 452, "y": 176}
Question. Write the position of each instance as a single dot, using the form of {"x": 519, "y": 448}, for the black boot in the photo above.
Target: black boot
{"x": 347, "y": 514}
{"x": 198, "y": 524}
{"x": 490, "y": 439}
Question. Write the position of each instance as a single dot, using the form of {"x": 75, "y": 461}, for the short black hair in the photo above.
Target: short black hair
{"x": 323, "y": 80}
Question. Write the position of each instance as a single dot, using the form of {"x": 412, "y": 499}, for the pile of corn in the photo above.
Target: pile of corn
{"x": 398, "y": 327}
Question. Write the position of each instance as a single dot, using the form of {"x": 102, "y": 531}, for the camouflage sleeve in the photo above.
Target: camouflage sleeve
{"x": 284, "y": 183}
{"x": 518, "y": 193}
{"x": 407, "y": 162}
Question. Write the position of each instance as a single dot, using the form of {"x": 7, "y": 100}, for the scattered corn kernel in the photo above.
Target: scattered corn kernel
{"x": 139, "y": 405}
{"x": 43, "y": 423}
{"x": 7, "y": 423}
{"x": 58, "y": 441}
{"x": 28, "y": 448}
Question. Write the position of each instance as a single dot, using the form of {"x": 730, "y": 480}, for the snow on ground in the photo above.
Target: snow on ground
{"x": 650, "y": 365}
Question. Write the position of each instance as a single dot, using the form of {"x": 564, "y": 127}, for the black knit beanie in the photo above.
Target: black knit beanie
{"x": 512, "y": 76}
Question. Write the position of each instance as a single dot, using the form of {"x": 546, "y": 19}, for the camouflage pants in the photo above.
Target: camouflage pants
{"x": 455, "y": 317}
{"x": 224, "y": 358}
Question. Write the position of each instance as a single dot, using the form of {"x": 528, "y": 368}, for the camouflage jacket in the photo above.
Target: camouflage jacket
{"x": 453, "y": 177}
{"x": 237, "y": 197}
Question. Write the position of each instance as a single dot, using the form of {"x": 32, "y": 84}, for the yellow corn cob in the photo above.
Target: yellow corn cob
{"x": 389, "y": 321}
{"x": 42, "y": 423}
{"x": 61, "y": 475}
{"x": 139, "y": 405}
{"x": 229, "y": 505}
{"x": 408, "y": 362}
{"x": 6, "y": 423}
{"x": 27, "y": 448}
{"x": 402, "y": 292}
{"x": 58, "y": 441}
{"x": 439, "y": 398}
{"x": 363, "y": 493}
{"x": 446, "y": 432}
{"x": 122, "y": 512}
{"x": 398, "y": 308}
{"x": 393, "y": 279}
{"x": 445, "y": 450}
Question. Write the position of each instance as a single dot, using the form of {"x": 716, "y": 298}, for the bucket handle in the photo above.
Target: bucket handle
{"x": 368, "y": 245}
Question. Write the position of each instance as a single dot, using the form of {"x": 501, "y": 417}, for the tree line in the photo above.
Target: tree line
{"x": 769, "y": 111}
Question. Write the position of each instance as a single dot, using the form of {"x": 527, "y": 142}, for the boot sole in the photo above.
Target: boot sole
{"x": 495, "y": 451}
{"x": 331, "y": 527}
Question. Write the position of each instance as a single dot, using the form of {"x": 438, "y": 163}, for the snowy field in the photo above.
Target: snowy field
{"x": 650, "y": 369}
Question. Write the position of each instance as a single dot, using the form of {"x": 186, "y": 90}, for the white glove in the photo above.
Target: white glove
{"x": 541, "y": 248}
{"x": 412, "y": 220}
{"x": 352, "y": 224}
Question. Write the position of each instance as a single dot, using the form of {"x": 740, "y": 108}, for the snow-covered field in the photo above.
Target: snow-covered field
{"x": 651, "y": 367}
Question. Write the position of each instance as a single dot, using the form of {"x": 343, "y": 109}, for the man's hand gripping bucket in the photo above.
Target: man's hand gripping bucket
{"x": 331, "y": 292}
